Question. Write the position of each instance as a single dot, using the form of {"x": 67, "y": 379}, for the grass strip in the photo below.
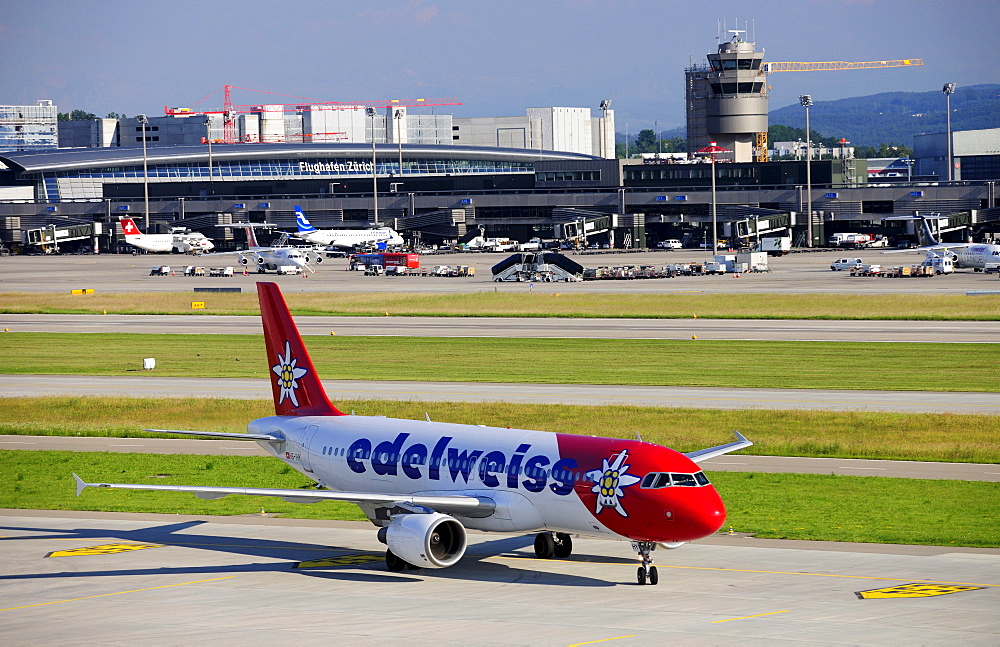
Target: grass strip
{"x": 824, "y": 434}
{"x": 541, "y": 302}
{"x": 787, "y": 506}
{"x": 715, "y": 363}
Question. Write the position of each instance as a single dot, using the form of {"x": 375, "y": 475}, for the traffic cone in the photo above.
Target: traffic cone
{"x": 694, "y": 336}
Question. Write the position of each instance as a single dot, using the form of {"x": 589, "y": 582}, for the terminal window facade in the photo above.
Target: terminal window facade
{"x": 284, "y": 169}
{"x": 568, "y": 176}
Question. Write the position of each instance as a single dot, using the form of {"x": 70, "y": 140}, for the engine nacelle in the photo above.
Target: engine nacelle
{"x": 318, "y": 259}
{"x": 260, "y": 260}
{"x": 243, "y": 259}
{"x": 426, "y": 540}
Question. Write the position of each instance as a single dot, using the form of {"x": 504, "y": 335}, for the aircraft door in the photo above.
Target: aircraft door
{"x": 306, "y": 444}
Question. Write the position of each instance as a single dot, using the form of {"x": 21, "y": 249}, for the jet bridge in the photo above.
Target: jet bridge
{"x": 49, "y": 238}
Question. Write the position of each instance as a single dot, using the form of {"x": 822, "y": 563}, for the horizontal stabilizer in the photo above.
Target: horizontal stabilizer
{"x": 712, "y": 452}
{"x": 220, "y": 434}
{"x": 450, "y": 504}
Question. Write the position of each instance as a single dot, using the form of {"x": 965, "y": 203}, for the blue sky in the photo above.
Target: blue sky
{"x": 497, "y": 58}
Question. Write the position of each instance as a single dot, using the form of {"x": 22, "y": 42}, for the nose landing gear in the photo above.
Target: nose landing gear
{"x": 646, "y": 572}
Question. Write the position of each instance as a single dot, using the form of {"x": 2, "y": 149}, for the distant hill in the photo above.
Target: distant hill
{"x": 890, "y": 117}
{"x": 895, "y": 117}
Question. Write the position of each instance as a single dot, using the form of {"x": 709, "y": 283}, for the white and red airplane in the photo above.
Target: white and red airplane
{"x": 423, "y": 483}
{"x": 178, "y": 241}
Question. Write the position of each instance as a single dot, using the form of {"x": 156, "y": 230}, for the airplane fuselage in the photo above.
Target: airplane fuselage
{"x": 977, "y": 255}
{"x": 539, "y": 480}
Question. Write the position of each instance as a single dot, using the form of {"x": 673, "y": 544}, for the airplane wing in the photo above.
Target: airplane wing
{"x": 932, "y": 248}
{"x": 219, "y": 434}
{"x": 454, "y": 504}
{"x": 712, "y": 452}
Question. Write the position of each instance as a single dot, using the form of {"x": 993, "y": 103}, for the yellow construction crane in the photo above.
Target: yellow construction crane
{"x": 822, "y": 66}
{"x": 828, "y": 66}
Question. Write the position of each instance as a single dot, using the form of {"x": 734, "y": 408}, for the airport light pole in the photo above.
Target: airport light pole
{"x": 806, "y": 101}
{"x": 208, "y": 132}
{"x": 371, "y": 113}
{"x": 145, "y": 172}
{"x": 948, "y": 90}
{"x": 711, "y": 150}
{"x": 397, "y": 115}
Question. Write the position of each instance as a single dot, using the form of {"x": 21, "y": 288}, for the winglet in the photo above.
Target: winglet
{"x": 296, "y": 387}
{"x": 712, "y": 452}
{"x": 80, "y": 485}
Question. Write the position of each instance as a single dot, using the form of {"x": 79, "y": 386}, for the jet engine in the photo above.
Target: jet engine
{"x": 318, "y": 259}
{"x": 425, "y": 540}
{"x": 243, "y": 259}
{"x": 260, "y": 260}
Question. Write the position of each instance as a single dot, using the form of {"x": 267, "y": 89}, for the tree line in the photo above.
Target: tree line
{"x": 647, "y": 142}
{"x": 83, "y": 115}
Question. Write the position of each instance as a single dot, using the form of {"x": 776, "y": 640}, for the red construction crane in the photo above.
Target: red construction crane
{"x": 229, "y": 110}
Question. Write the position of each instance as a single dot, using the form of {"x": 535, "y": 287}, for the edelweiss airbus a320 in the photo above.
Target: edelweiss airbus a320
{"x": 424, "y": 483}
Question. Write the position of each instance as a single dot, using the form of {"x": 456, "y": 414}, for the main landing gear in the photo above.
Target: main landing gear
{"x": 395, "y": 563}
{"x": 647, "y": 571}
{"x": 553, "y": 544}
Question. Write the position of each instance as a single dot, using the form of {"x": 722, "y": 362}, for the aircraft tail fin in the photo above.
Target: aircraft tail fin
{"x": 128, "y": 227}
{"x": 251, "y": 237}
{"x": 295, "y": 385}
{"x": 302, "y": 222}
{"x": 925, "y": 228}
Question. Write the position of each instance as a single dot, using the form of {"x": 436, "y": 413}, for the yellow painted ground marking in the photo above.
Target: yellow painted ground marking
{"x": 913, "y": 591}
{"x": 759, "y": 615}
{"x": 744, "y": 570}
{"x": 102, "y": 595}
{"x": 603, "y": 640}
{"x": 103, "y": 549}
{"x": 341, "y": 560}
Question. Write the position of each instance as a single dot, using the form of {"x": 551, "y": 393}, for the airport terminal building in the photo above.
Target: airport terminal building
{"x": 439, "y": 193}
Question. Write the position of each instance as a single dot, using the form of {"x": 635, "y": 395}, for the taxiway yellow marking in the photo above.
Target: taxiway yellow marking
{"x": 103, "y": 549}
{"x": 759, "y": 615}
{"x": 603, "y": 640}
{"x": 102, "y": 595}
{"x": 913, "y": 591}
{"x": 744, "y": 570}
{"x": 341, "y": 560}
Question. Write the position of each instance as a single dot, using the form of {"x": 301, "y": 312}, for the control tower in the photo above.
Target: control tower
{"x": 727, "y": 101}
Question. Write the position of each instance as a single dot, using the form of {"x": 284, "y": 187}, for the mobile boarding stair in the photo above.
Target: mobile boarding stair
{"x": 540, "y": 267}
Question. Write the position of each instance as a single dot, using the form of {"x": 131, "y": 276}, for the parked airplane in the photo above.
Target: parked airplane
{"x": 179, "y": 240}
{"x": 344, "y": 238}
{"x": 274, "y": 257}
{"x": 423, "y": 483}
{"x": 974, "y": 255}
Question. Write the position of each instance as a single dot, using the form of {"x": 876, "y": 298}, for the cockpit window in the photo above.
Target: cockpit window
{"x": 655, "y": 480}
{"x": 683, "y": 480}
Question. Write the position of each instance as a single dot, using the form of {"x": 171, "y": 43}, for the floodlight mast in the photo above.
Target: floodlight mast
{"x": 806, "y": 101}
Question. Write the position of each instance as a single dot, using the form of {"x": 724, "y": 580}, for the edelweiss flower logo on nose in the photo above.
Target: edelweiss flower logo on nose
{"x": 288, "y": 375}
{"x": 609, "y": 483}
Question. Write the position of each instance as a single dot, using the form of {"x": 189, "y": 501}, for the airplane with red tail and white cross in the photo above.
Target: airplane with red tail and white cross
{"x": 423, "y": 483}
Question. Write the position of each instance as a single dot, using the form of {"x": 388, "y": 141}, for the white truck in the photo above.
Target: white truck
{"x": 941, "y": 264}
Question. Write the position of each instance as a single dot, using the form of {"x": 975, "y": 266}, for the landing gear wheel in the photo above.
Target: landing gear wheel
{"x": 647, "y": 570}
{"x": 563, "y": 545}
{"x": 393, "y": 562}
{"x": 545, "y": 545}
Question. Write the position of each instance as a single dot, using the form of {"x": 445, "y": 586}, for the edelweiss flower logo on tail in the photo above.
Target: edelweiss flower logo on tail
{"x": 610, "y": 480}
{"x": 288, "y": 375}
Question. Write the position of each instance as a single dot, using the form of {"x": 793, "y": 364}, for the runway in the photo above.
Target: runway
{"x": 745, "y": 329}
{"x": 235, "y": 579}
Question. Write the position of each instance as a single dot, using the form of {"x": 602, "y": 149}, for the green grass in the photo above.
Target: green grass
{"x": 547, "y": 302}
{"x": 718, "y": 363}
{"x": 830, "y": 434}
{"x": 788, "y": 506}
